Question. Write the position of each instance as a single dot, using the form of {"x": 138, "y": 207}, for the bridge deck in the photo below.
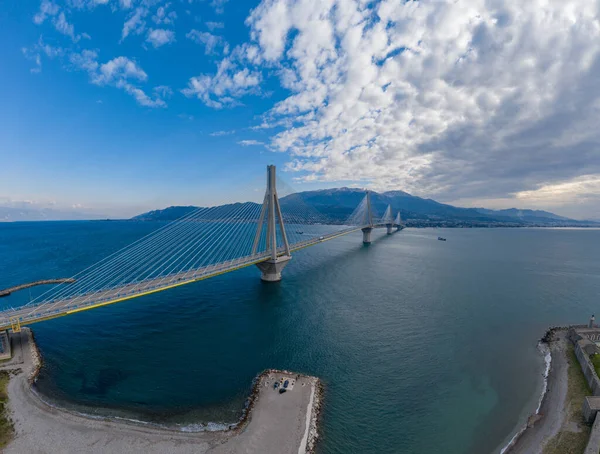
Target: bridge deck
{"x": 29, "y": 314}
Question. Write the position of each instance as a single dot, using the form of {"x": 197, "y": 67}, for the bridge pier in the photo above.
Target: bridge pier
{"x": 271, "y": 269}
{"x": 367, "y": 235}
{"x": 399, "y": 227}
{"x": 390, "y": 228}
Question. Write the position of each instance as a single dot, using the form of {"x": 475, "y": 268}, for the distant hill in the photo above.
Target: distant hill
{"x": 525, "y": 215}
{"x": 168, "y": 214}
{"x": 13, "y": 214}
{"x": 339, "y": 203}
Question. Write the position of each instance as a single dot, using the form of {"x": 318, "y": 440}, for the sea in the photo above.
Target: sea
{"x": 423, "y": 346}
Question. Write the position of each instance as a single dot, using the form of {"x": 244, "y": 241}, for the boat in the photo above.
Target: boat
{"x": 299, "y": 232}
{"x": 441, "y": 239}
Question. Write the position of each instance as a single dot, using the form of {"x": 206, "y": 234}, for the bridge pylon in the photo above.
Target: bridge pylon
{"x": 387, "y": 220}
{"x": 369, "y": 228}
{"x": 398, "y": 222}
{"x": 271, "y": 269}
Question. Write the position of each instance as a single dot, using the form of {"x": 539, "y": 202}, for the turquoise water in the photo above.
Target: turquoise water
{"x": 423, "y": 346}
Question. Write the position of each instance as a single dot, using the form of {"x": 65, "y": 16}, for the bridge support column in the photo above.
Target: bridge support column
{"x": 399, "y": 227}
{"x": 367, "y": 235}
{"x": 389, "y": 229}
{"x": 271, "y": 269}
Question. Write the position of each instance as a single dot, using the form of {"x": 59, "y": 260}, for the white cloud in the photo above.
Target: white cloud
{"x": 163, "y": 91}
{"x": 91, "y": 4}
{"x": 125, "y": 4}
{"x": 218, "y": 5}
{"x": 579, "y": 190}
{"x": 447, "y": 99}
{"x": 212, "y": 26}
{"x": 247, "y": 143}
{"x": 85, "y": 60}
{"x": 135, "y": 24}
{"x": 142, "y": 98}
{"x": 33, "y": 55}
{"x": 35, "y": 52}
{"x": 118, "y": 69}
{"x": 221, "y": 133}
{"x": 164, "y": 17}
{"x": 159, "y": 37}
{"x": 64, "y": 27}
{"x": 223, "y": 88}
{"x": 120, "y": 72}
{"x": 211, "y": 42}
{"x": 47, "y": 8}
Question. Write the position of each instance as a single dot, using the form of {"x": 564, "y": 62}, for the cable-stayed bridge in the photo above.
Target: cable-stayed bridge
{"x": 204, "y": 243}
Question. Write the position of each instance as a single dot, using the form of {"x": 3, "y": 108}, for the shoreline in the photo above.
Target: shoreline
{"x": 267, "y": 420}
{"x": 545, "y": 350}
{"x": 546, "y": 421}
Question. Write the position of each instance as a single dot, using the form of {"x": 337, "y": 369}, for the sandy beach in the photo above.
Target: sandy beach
{"x": 551, "y": 416}
{"x": 282, "y": 423}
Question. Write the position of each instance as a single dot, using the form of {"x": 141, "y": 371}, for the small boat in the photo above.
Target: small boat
{"x": 441, "y": 239}
{"x": 299, "y": 232}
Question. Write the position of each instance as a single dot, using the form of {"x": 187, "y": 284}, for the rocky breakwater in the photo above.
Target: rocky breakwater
{"x": 297, "y": 422}
{"x": 313, "y": 431}
{"x": 36, "y": 357}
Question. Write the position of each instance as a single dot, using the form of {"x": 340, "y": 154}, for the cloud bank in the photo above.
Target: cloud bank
{"x": 452, "y": 99}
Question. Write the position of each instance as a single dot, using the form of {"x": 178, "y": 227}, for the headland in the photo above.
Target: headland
{"x": 271, "y": 421}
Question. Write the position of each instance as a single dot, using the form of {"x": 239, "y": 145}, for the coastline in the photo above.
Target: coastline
{"x": 550, "y": 414}
{"x": 265, "y": 421}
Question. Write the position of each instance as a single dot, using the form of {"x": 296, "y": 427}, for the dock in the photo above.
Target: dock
{"x": 8, "y": 291}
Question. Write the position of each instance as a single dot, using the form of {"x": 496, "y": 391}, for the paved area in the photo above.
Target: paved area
{"x": 279, "y": 421}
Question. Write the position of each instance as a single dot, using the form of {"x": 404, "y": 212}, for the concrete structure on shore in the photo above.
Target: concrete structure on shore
{"x": 5, "y": 350}
{"x": 271, "y": 423}
{"x": 584, "y": 339}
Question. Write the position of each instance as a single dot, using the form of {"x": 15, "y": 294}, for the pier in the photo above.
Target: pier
{"x": 16, "y": 288}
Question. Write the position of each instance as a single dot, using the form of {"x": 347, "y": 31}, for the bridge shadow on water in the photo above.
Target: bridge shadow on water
{"x": 360, "y": 249}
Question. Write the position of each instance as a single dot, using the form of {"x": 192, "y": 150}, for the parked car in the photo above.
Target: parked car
{"x": 282, "y": 390}
{"x": 276, "y": 385}
{"x": 286, "y": 383}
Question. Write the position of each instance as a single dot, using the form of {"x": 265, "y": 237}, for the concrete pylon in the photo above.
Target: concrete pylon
{"x": 390, "y": 228}
{"x": 271, "y": 269}
{"x": 367, "y": 230}
{"x": 398, "y": 222}
{"x": 367, "y": 235}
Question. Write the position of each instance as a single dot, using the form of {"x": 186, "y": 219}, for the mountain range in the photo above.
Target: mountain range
{"x": 337, "y": 204}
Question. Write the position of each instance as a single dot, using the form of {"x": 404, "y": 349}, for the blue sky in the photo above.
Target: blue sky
{"x": 73, "y": 142}
{"x": 119, "y": 106}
